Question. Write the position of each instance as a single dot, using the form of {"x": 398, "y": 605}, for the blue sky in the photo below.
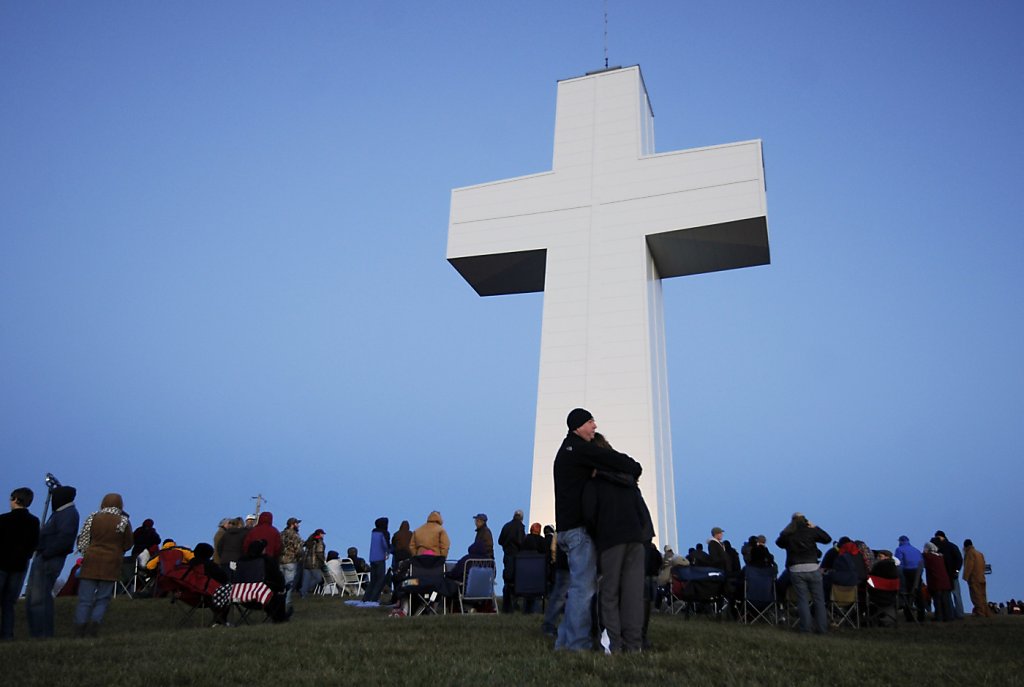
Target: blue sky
{"x": 222, "y": 273}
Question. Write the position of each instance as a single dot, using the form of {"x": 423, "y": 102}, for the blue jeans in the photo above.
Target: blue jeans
{"x": 289, "y": 570}
{"x": 958, "y": 602}
{"x": 10, "y": 590}
{"x": 574, "y": 632}
{"x": 93, "y": 598}
{"x": 809, "y": 589}
{"x": 39, "y": 596}
{"x": 556, "y": 602}
{"x": 378, "y": 571}
{"x": 310, "y": 579}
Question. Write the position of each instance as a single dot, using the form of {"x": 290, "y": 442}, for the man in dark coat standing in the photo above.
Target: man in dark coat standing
{"x": 954, "y": 560}
{"x": 575, "y": 462}
{"x": 56, "y": 541}
{"x": 19, "y": 534}
{"x": 510, "y": 539}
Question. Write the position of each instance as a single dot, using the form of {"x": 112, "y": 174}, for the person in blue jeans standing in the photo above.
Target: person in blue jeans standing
{"x": 380, "y": 549}
{"x": 577, "y": 459}
{"x": 56, "y": 541}
{"x": 800, "y": 539}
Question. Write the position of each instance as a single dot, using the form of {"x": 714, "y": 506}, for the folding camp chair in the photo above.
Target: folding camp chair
{"x": 844, "y": 608}
{"x": 477, "y": 583}
{"x": 334, "y": 578}
{"x": 425, "y": 588}
{"x": 883, "y": 596}
{"x": 702, "y": 589}
{"x": 910, "y": 595}
{"x": 530, "y": 579}
{"x": 759, "y": 600}
{"x": 124, "y": 583}
{"x": 249, "y": 592}
{"x": 354, "y": 582}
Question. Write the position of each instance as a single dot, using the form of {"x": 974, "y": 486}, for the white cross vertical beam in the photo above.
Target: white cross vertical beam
{"x": 597, "y": 234}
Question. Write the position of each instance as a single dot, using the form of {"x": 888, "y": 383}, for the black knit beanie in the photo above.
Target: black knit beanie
{"x": 577, "y": 418}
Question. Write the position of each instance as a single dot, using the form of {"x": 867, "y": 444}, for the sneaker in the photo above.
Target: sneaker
{"x": 369, "y": 604}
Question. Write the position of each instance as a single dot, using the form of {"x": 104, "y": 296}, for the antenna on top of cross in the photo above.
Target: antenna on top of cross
{"x": 606, "y": 34}
{"x": 260, "y": 499}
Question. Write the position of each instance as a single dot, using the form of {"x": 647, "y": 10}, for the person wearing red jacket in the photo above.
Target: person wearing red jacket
{"x": 266, "y": 531}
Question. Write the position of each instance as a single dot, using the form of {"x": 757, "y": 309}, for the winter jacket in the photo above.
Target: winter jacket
{"x": 574, "y": 464}
{"x": 57, "y": 536}
{"x": 938, "y": 578}
{"x": 19, "y": 533}
{"x": 379, "y": 537}
{"x": 800, "y": 542}
{"x": 266, "y": 531}
{"x": 291, "y": 546}
{"x": 231, "y": 545}
{"x": 104, "y": 538}
{"x": 909, "y": 556}
{"x": 430, "y": 536}
{"x": 315, "y": 558}
{"x": 483, "y": 544}
{"x": 144, "y": 538}
{"x": 511, "y": 536}
{"x": 974, "y": 565}
{"x": 848, "y": 569}
{"x": 614, "y": 511}
{"x": 951, "y": 555}
{"x": 402, "y": 541}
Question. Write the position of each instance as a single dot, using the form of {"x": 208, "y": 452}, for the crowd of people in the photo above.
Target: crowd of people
{"x": 604, "y": 574}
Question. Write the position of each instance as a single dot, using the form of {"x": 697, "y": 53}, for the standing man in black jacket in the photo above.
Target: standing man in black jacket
{"x": 575, "y": 463}
{"x": 19, "y": 534}
{"x": 954, "y": 560}
{"x": 800, "y": 540}
{"x": 510, "y": 539}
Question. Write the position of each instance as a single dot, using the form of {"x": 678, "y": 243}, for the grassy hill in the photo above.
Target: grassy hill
{"x": 328, "y": 643}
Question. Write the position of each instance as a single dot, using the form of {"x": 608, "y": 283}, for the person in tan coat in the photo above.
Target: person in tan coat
{"x": 430, "y": 536}
{"x": 104, "y": 538}
{"x": 974, "y": 576}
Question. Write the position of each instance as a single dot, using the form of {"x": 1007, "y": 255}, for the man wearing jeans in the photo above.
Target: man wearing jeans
{"x": 56, "y": 541}
{"x": 575, "y": 463}
{"x": 291, "y": 554}
{"x": 800, "y": 540}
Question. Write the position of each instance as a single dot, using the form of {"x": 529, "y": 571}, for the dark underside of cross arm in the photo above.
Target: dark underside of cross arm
{"x": 697, "y": 250}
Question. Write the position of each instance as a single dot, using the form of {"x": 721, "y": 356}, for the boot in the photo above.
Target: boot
{"x": 80, "y": 630}
{"x": 92, "y": 630}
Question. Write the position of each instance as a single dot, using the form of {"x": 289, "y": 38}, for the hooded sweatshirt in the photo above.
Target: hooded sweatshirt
{"x": 266, "y": 531}
{"x": 57, "y": 537}
{"x": 379, "y": 537}
{"x": 402, "y": 540}
{"x": 430, "y": 536}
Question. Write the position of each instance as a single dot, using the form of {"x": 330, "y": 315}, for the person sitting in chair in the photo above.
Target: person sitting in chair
{"x": 482, "y": 547}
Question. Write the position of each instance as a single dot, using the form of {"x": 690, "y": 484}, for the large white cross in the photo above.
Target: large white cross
{"x": 597, "y": 234}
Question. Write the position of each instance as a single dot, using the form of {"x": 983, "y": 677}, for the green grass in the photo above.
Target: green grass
{"x": 328, "y": 643}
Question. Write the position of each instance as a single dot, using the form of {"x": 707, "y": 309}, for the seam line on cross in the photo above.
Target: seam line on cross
{"x": 607, "y": 202}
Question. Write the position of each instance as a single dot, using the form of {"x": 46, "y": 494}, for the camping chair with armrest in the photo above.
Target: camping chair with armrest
{"x": 477, "y": 583}
{"x": 425, "y": 586}
{"x": 843, "y": 607}
{"x": 759, "y": 600}
{"x": 530, "y": 577}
